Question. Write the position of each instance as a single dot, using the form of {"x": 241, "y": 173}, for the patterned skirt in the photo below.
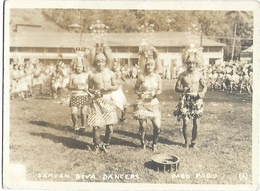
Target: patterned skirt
{"x": 147, "y": 109}
{"x": 189, "y": 106}
{"x": 102, "y": 111}
{"x": 79, "y": 101}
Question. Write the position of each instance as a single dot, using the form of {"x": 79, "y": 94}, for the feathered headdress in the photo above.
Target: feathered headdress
{"x": 148, "y": 52}
{"x": 82, "y": 54}
{"x": 105, "y": 50}
{"x": 193, "y": 53}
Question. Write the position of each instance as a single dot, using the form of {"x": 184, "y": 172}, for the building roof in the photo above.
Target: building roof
{"x": 250, "y": 49}
{"x": 69, "y": 39}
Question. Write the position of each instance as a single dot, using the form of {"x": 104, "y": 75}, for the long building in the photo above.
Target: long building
{"x": 50, "y": 46}
{"x": 247, "y": 55}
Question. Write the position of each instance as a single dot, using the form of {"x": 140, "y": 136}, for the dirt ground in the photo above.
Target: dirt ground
{"x": 42, "y": 139}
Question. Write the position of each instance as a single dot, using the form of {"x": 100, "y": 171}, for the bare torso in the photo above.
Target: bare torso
{"x": 79, "y": 82}
{"x": 79, "y": 79}
{"x": 191, "y": 81}
{"x": 148, "y": 85}
{"x": 102, "y": 80}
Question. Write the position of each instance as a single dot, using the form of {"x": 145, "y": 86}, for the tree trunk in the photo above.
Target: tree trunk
{"x": 234, "y": 40}
{"x": 81, "y": 30}
{"x": 201, "y": 39}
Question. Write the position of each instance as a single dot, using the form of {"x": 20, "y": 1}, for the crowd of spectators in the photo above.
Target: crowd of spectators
{"x": 24, "y": 75}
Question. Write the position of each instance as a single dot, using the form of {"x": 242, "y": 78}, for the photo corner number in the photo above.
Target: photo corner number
{"x": 243, "y": 176}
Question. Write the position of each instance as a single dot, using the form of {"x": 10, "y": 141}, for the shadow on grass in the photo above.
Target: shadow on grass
{"x": 87, "y": 133}
{"x": 52, "y": 125}
{"x": 168, "y": 142}
{"x": 127, "y": 133}
{"x": 148, "y": 137}
{"x": 150, "y": 165}
{"x": 116, "y": 141}
{"x": 66, "y": 141}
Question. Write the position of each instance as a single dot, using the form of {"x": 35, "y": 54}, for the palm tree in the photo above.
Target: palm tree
{"x": 235, "y": 17}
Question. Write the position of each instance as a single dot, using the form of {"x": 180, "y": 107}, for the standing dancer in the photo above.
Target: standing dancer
{"x": 190, "y": 107}
{"x": 148, "y": 86}
{"x": 79, "y": 97}
{"x": 102, "y": 82}
{"x": 118, "y": 95}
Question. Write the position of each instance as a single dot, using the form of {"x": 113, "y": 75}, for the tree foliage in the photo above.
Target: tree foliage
{"x": 237, "y": 20}
{"x": 216, "y": 25}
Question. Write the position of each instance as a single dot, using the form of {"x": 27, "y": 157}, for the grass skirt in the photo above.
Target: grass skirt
{"x": 147, "y": 109}
{"x": 189, "y": 106}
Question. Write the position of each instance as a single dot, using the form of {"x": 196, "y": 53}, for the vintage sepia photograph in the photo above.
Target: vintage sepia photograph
{"x": 141, "y": 95}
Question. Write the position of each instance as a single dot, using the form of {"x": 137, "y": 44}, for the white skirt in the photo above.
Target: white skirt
{"x": 119, "y": 98}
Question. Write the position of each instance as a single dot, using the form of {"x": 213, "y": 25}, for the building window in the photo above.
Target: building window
{"x": 66, "y": 50}
{"x": 174, "y": 49}
{"x": 13, "y": 49}
{"x": 215, "y": 49}
{"x": 123, "y": 62}
{"x": 24, "y": 49}
{"x": 173, "y": 62}
{"x": 134, "y": 49}
{"x": 212, "y": 61}
{"x": 55, "y": 61}
{"x": 38, "y": 49}
{"x": 51, "y": 50}
{"x": 114, "y": 50}
{"x": 246, "y": 54}
{"x": 134, "y": 61}
{"x": 122, "y": 49}
{"x": 182, "y": 48}
{"x": 205, "y": 49}
{"x": 162, "y": 49}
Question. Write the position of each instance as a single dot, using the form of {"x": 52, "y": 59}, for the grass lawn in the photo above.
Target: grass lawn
{"x": 43, "y": 140}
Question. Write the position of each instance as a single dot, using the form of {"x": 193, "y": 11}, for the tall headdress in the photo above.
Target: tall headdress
{"x": 148, "y": 53}
{"x": 82, "y": 49}
{"x": 147, "y": 50}
{"x": 99, "y": 32}
{"x": 194, "y": 54}
{"x": 81, "y": 57}
{"x": 101, "y": 51}
{"x": 193, "y": 51}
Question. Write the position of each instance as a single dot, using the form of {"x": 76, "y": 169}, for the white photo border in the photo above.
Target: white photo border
{"x": 254, "y": 6}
